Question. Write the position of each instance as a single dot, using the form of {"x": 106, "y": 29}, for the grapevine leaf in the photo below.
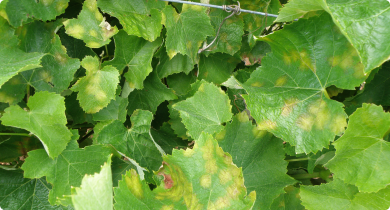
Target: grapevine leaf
{"x": 135, "y": 143}
{"x": 13, "y": 91}
{"x": 45, "y": 119}
{"x": 15, "y": 146}
{"x": 179, "y": 63}
{"x": 58, "y": 68}
{"x": 12, "y": 59}
{"x": 376, "y": 91}
{"x": 186, "y": 31}
{"x": 361, "y": 153}
{"x": 205, "y": 111}
{"x": 20, "y": 193}
{"x": 95, "y": 191}
{"x": 181, "y": 83}
{"x": 261, "y": 157}
{"x": 119, "y": 168}
{"x": 166, "y": 138}
{"x": 253, "y": 55}
{"x": 67, "y": 170}
{"x": 97, "y": 88}
{"x": 74, "y": 111}
{"x": 116, "y": 110}
{"x": 200, "y": 178}
{"x": 363, "y": 22}
{"x": 141, "y": 18}
{"x": 339, "y": 195}
{"x": 230, "y": 35}
{"x": 176, "y": 123}
{"x": 74, "y": 47}
{"x": 18, "y": 11}
{"x": 256, "y": 23}
{"x": 288, "y": 201}
{"x": 151, "y": 96}
{"x": 135, "y": 53}
{"x": 90, "y": 26}
{"x": 287, "y": 94}
{"x": 217, "y": 68}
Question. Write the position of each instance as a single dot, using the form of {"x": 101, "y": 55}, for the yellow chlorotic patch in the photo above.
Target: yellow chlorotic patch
{"x": 347, "y": 62}
{"x": 94, "y": 109}
{"x": 338, "y": 124}
{"x": 189, "y": 152}
{"x": 60, "y": 58}
{"x": 281, "y": 81}
{"x": 76, "y": 30}
{"x": 282, "y": 204}
{"x": 359, "y": 71}
{"x": 192, "y": 7}
{"x": 220, "y": 152}
{"x": 100, "y": 95}
{"x": 45, "y": 75}
{"x": 227, "y": 159}
{"x": 61, "y": 6}
{"x": 98, "y": 16}
{"x": 91, "y": 5}
{"x": 46, "y": 2}
{"x": 224, "y": 176}
{"x": 4, "y": 14}
{"x": 15, "y": 81}
{"x": 205, "y": 181}
{"x": 322, "y": 119}
{"x": 221, "y": 135}
{"x": 242, "y": 117}
{"x": 134, "y": 184}
{"x": 266, "y": 125}
{"x": 306, "y": 61}
{"x": 289, "y": 105}
{"x": 258, "y": 133}
{"x": 6, "y": 98}
{"x": 334, "y": 60}
{"x": 93, "y": 33}
{"x": 305, "y": 122}
{"x": 189, "y": 45}
{"x": 286, "y": 59}
{"x": 257, "y": 84}
{"x": 211, "y": 166}
{"x": 239, "y": 181}
{"x": 222, "y": 203}
{"x": 90, "y": 64}
{"x": 93, "y": 44}
{"x": 208, "y": 150}
{"x": 165, "y": 207}
{"x": 171, "y": 53}
{"x": 233, "y": 192}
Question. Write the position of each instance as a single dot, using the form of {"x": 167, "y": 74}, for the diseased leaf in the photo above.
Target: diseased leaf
{"x": 135, "y": 143}
{"x": 97, "y": 88}
{"x": 261, "y": 157}
{"x": 119, "y": 168}
{"x": 217, "y": 68}
{"x": 205, "y": 111}
{"x": 13, "y": 91}
{"x": 116, "y": 110}
{"x": 361, "y": 153}
{"x": 179, "y": 63}
{"x": 339, "y": 195}
{"x": 67, "y": 170}
{"x": 21, "y": 193}
{"x": 58, "y": 68}
{"x": 166, "y": 138}
{"x": 12, "y": 59}
{"x": 186, "y": 31}
{"x": 288, "y": 201}
{"x": 151, "y": 96}
{"x": 363, "y": 22}
{"x": 199, "y": 178}
{"x": 45, "y": 119}
{"x": 287, "y": 94}
{"x": 90, "y": 26}
{"x": 135, "y": 53}
{"x": 141, "y": 18}
{"x": 95, "y": 191}
{"x": 18, "y": 11}
{"x": 15, "y": 146}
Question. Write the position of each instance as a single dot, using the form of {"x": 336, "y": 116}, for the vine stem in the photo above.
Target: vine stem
{"x": 15, "y": 134}
{"x": 297, "y": 159}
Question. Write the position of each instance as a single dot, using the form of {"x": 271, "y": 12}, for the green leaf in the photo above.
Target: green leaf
{"x": 181, "y": 83}
{"x": 12, "y": 59}
{"x": 361, "y": 153}
{"x": 287, "y": 94}
{"x": 15, "y": 146}
{"x": 97, "y": 88}
{"x": 135, "y": 143}
{"x": 75, "y": 113}
{"x": 339, "y": 195}
{"x": 179, "y": 63}
{"x": 74, "y": 47}
{"x": 253, "y": 55}
{"x": 230, "y": 35}
{"x": 13, "y": 91}
{"x": 18, "y": 11}
{"x": 288, "y": 201}
{"x": 166, "y": 138}
{"x": 67, "y": 170}
{"x": 90, "y": 26}
{"x": 20, "y": 193}
{"x": 261, "y": 157}
{"x": 216, "y": 68}
{"x": 199, "y": 178}
{"x": 186, "y": 31}
{"x": 95, "y": 191}
{"x": 151, "y": 96}
{"x": 363, "y": 23}
{"x": 141, "y": 18}
{"x": 119, "y": 168}
{"x": 135, "y": 53}
{"x": 45, "y": 119}
{"x": 116, "y": 110}
{"x": 205, "y": 111}
{"x": 58, "y": 68}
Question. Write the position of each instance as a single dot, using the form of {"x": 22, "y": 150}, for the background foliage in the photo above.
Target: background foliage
{"x": 107, "y": 104}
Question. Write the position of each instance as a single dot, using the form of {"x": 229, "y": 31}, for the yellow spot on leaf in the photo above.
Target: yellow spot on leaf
{"x": 286, "y": 59}
{"x": 242, "y": 117}
{"x": 205, "y": 181}
{"x": 257, "y": 84}
{"x": 289, "y": 105}
{"x": 258, "y": 133}
{"x": 266, "y": 125}
{"x": 220, "y": 152}
{"x": 201, "y": 88}
{"x": 91, "y": 5}
{"x": 93, "y": 33}
{"x": 60, "y": 58}
{"x": 6, "y": 98}
{"x": 45, "y": 75}
{"x": 359, "y": 71}
{"x": 171, "y": 53}
{"x": 76, "y": 30}
{"x": 61, "y": 6}
{"x": 338, "y": 124}
{"x": 93, "y": 44}
{"x": 98, "y": 16}
{"x": 189, "y": 152}
{"x": 334, "y": 60}
{"x": 4, "y": 14}
{"x": 305, "y": 122}
{"x": 46, "y": 3}
{"x": 211, "y": 166}
{"x": 165, "y": 207}
{"x": 222, "y": 202}
{"x": 281, "y": 81}
{"x": 224, "y": 177}
{"x": 221, "y": 135}
{"x": 189, "y": 45}
{"x": 134, "y": 184}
